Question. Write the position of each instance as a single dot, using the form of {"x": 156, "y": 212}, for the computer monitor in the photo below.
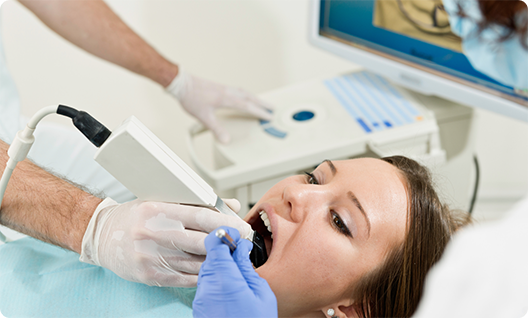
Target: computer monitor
{"x": 410, "y": 43}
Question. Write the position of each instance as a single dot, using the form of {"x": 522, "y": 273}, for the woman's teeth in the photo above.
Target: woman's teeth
{"x": 265, "y": 219}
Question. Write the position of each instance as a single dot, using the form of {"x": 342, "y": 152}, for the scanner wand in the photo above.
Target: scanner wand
{"x": 222, "y": 207}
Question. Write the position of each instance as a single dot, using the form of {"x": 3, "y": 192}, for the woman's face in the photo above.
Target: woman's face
{"x": 329, "y": 229}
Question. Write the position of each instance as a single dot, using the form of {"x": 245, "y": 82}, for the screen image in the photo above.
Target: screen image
{"x": 417, "y": 19}
{"x": 414, "y": 32}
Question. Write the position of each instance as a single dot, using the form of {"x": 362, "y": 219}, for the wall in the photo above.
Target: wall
{"x": 256, "y": 44}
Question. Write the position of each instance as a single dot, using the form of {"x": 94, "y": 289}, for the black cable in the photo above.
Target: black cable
{"x": 96, "y": 132}
{"x": 475, "y": 188}
{"x": 67, "y": 111}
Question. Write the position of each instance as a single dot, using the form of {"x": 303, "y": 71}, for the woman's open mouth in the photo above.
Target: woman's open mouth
{"x": 261, "y": 224}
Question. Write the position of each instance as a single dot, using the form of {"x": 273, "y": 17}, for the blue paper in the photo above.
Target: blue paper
{"x": 42, "y": 280}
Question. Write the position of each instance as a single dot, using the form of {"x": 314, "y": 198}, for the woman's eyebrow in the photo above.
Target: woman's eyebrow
{"x": 356, "y": 202}
{"x": 331, "y": 165}
{"x": 351, "y": 196}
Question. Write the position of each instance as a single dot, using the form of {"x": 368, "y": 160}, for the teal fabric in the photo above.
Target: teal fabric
{"x": 42, "y": 280}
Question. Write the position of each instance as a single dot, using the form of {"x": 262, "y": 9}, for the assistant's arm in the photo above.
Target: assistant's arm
{"x": 95, "y": 28}
{"x": 44, "y": 206}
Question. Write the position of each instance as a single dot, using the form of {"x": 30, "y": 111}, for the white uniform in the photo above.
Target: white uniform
{"x": 483, "y": 273}
{"x": 61, "y": 149}
{"x": 9, "y": 103}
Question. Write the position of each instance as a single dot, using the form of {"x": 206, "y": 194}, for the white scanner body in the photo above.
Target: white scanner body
{"x": 151, "y": 171}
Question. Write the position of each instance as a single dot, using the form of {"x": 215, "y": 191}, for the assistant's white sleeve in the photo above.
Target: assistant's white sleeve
{"x": 483, "y": 272}
{"x": 9, "y": 101}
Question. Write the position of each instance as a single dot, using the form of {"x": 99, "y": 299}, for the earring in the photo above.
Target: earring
{"x": 330, "y": 312}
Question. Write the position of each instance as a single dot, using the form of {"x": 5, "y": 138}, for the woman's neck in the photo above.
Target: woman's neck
{"x": 290, "y": 314}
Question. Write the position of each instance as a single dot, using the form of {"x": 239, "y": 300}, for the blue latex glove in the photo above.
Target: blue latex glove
{"x": 228, "y": 286}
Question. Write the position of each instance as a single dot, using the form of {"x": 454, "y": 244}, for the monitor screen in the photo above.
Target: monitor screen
{"x": 411, "y": 34}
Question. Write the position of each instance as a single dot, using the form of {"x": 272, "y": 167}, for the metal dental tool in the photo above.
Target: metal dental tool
{"x": 226, "y": 239}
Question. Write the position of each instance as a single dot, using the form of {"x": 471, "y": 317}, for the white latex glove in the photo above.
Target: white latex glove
{"x": 200, "y": 98}
{"x": 154, "y": 243}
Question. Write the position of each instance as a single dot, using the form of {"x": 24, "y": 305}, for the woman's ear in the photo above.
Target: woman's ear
{"x": 341, "y": 309}
{"x": 348, "y": 311}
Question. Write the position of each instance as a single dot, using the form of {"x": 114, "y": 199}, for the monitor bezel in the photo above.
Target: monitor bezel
{"x": 416, "y": 77}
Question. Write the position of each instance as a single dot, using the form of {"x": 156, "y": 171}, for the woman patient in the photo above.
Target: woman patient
{"x": 357, "y": 236}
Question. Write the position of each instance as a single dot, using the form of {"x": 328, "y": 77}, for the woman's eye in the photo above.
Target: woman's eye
{"x": 339, "y": 224}
{"x": 310, "y": 178}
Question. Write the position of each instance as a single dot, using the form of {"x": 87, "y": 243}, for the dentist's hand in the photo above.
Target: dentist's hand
{"x": 228, "y": 286}
{"x": 200, "y": 98}
{"x": 154, "y": 243}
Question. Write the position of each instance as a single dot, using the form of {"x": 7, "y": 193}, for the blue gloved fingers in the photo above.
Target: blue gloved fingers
{"x": 219, "y": 277}
{"x": 257, "y": 284}
{"x": 218, "y": 258}
{"x": 241, "y": 254}
{"x": 212, "y": 242}
{"x": 241, "y": 257}
{"x": 218, "y": 253}
{"x": 228, "y": 286}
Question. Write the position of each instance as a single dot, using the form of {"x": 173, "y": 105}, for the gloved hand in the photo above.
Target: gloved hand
{"x": 152, "y": 242}
{"x": 228, "y": 286}
{"x": 200, "y": 98}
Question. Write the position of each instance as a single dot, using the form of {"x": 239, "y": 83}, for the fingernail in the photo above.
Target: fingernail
{"x": 223, "y": 138}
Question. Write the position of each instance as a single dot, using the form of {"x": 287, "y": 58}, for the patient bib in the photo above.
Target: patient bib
{"x": 41, "y": 280}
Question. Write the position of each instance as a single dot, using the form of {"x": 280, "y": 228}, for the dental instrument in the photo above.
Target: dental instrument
{"x": 139, "y": 160}
{"x": 153, "y": 172}
{"x": 226, "y": 239}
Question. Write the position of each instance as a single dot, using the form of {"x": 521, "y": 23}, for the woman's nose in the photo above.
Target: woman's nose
{"x": 301, "y": 198}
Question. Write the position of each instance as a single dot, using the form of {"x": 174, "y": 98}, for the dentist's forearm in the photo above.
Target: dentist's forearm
{"x": 94, "y": 27}
{"x": 44, "y": 206}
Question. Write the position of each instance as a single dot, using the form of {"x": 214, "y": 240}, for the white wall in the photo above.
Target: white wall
{"x": 256, "y": 44}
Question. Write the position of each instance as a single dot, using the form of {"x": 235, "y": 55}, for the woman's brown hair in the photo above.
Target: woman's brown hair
{"x": 395, "y": 287}
{"x": 505, "y": 14}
